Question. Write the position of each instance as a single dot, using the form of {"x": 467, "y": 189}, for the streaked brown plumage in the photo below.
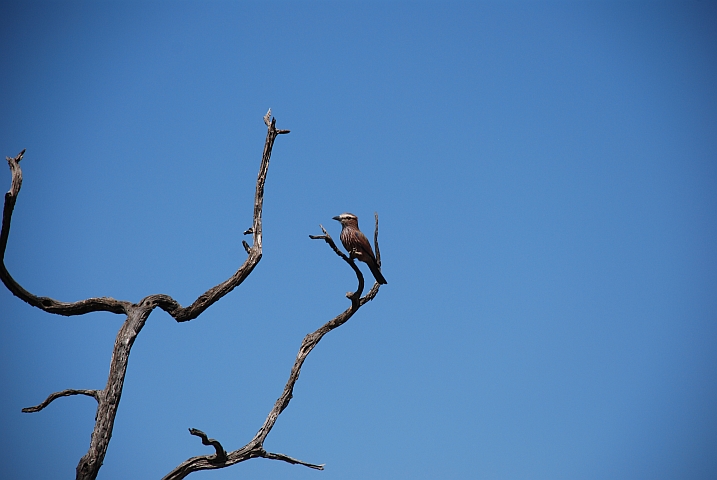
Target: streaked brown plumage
{"x": 356, "y": 243}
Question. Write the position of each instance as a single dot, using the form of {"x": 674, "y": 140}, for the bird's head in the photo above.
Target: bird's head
{"x": 347, "y": 218}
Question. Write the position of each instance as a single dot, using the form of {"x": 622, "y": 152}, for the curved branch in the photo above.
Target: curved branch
{"x": 137, "y": 314}
{"x": 96, "y": 394}
{"x": 102, "y": 304}
{"x": 136, "y": 317}
{"x": 354, "y": 297}
{"x": 313, "y": 339}
{"x": 205, "y": 300}
{"x": 221, "y": 454}
{"x": 255, "y": 448}
{"x": 165, "y": 302}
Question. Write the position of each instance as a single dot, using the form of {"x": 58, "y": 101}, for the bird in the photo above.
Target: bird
{"x": 356, "y": 243}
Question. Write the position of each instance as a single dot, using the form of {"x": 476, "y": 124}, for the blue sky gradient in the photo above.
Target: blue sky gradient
{"x": 546, "y": 179}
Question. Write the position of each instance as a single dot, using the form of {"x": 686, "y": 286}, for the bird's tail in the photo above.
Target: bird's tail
{"x": 377, "y": 273}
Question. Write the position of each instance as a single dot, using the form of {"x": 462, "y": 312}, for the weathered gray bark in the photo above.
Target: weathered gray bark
{"x": 137, "y": 313}
{"x": 255, "y": 447}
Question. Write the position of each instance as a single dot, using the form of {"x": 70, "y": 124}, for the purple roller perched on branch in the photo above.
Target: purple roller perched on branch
{"x": 357, "y": 244}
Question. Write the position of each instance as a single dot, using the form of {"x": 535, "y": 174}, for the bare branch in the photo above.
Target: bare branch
{"x": 184, "y": 314}
{"x": 255, "y": 448}
{"x": 327, "y": 238}
{"x": 221, "y": 454}
{"x": 312, "y": 339}
{"x": 137, "y": 314}
{"x": 293, "y": 461}
{"x": 96, "y": 394}
{"x": 102, "y": 304}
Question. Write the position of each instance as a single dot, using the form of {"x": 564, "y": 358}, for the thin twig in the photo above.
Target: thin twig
{"x": 221, "y": 454}
{"x": 353, "y": 296}
{"x": 293, "y": 461}
{"x": 96, "y": 394}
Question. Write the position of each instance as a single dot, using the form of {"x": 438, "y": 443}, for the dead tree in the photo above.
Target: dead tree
{"x": 255, "y": 447}
{"x": 137, "y": 313}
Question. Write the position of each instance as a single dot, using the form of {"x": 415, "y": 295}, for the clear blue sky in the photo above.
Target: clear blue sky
{"x": 546, "y": 179}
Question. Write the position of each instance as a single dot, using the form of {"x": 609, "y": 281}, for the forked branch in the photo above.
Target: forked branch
{"x": 183, "y": 314}
{"x": 137, "y": 313}
{"x": 255, "y": 448}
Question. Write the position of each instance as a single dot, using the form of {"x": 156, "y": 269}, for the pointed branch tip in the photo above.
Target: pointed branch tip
{"x": 267, "y": 118}
{"x": 293, "y": 461}
{"x": 65, "y": 393}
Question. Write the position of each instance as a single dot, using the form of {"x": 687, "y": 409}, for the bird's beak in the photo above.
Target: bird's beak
{"x": 337, "y": 218}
